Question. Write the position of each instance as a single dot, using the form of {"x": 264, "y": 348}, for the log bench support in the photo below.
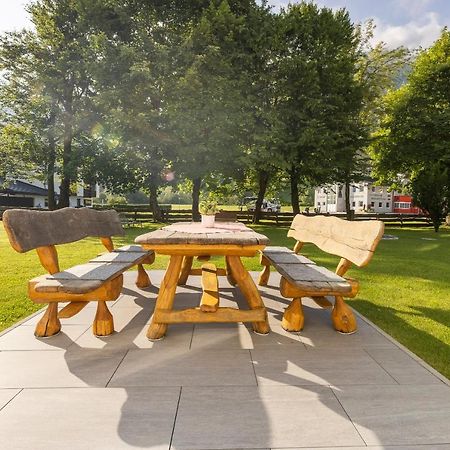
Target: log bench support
{"x": 187, "y": 270}
{"x": 210, "y": 286}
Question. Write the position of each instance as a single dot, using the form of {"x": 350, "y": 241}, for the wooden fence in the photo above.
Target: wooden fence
{"x": 137, "y": 215}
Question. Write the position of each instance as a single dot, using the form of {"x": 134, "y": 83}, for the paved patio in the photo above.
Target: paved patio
{"x": 215, "y": 386}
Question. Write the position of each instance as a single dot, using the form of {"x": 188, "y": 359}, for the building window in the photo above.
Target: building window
{"x": 402, "y": 205}
{"x": 380, "y": 204}
{"x": 353, "y": 203}
{"x": 373, "y": 188}
{"x": 387, "y": 205}
{"x": 354, "y": 188}
{"x": 360, "y": 204}
{"x": 323, "y": 203}
{"x": 340, "y": 192}
{"x": 372, "y": 204}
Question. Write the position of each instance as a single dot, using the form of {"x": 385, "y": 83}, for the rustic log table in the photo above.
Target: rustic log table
{"x": 184, "y": 241}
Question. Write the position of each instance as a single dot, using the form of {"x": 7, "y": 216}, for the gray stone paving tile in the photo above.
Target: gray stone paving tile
{"x": 134, "y": 336}
{"x": 403, "y": 368}
{"x": 399, "y": 415}
{"x": 23, "y": 338}
{"x": 239, "y": 336}
{"x": 175, "y": 367}
{"x": 320, "y": 336}
{"x": 303, "y": 367}
{"x": 268, "y": 416}
{"x": 376, "y": 447}
{"x": 73, "y": 368}
{"x": 6, "y": 395}
{"x": 81, "y": 419}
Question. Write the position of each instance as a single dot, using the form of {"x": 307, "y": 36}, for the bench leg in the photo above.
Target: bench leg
{"x": 343, "y": 317}
{"x": 293, "y": 317}
{"x": 49, "y": 325}
{"x": 230, "y": 276}
{"x": 142, "y": 280}
{"x": 185, "y": 270}
{"x": 103, "y": 323}
{"x": 265, "y": 274}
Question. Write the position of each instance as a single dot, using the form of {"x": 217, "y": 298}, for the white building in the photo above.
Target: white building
{"x": 33, "y": 193}
{"x": 364, "y": 197}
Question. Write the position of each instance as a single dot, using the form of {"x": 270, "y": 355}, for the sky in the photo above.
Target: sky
{"x": 411, "y": 23}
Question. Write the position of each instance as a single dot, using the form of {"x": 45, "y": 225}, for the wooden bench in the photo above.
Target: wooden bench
{"x": 98, "y": 280}
{"x": 354, "y": 242}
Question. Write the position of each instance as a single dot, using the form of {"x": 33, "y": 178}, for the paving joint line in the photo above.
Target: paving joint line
{"x": 379, "y": 364}
{"x": 175, "y": 418}
{"x": 8, "y": 402}
{"x": 346, "y": 413}
{"x": 192, "y": 336}
{"x": 115, "y": 370}
{"x": 253, "y": 366}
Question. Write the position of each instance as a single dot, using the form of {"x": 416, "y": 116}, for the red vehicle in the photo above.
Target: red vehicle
{"x": 403, "y": 204}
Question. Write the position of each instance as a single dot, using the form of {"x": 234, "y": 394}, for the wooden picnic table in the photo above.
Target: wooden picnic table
{"x": 184, "y": 241}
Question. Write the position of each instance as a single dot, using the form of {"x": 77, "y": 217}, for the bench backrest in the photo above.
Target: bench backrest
{"x": 29, "y": 229}
{"x": 354, "y": 241}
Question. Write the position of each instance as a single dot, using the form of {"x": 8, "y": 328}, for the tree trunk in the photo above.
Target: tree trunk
{"x": 51, "y": 183}
{"x": 51, "y": 164}
{"x": 153, "y": 198}
{"x": 67, "y": 175}
{"x": 349, "y": 212}
{"x": 294, "y": 191}
{"x": 263, "y": 181}
{"x": 196, "y": 185}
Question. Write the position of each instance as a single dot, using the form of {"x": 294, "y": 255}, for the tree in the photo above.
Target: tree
{"x": 28, "y": 114}
{"x": 431, "y": 191}
{"x": 49, "y": 66}
{"x": 205, "y": 107}
{"x": 414, "y": 136}
{"x": 316, "y": 91}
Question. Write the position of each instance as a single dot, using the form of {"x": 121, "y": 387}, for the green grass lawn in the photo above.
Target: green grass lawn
{"x": 405, "y": 290}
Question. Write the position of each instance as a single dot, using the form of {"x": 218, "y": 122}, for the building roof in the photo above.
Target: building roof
{"x": 22, "y": 188}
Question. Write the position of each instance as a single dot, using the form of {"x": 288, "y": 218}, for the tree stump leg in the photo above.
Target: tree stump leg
{"x": 142, "y": 280}
{"x": 185, "y": 270}
{"x": 165, "y": 297}
{"x": 342, "y": 317}
{"x": 230, "y": 276}
{"x": 49, "y": 325}
{"x": 265, "y": 273}
{"x": 293, "y": 317}
{"x": 250, "y": 291}
{"x": 103, "y": 322}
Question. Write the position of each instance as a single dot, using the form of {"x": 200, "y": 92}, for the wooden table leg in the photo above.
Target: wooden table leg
{"x": 250, "y": 291}
{"x": 185, "y": 270}
{"x": 230, "y": 276}
{"x": 166, "y": 296}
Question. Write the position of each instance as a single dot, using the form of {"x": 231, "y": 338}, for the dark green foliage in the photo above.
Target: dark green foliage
{"x": 431, "y": 191}
{"x": 414, "y": 138}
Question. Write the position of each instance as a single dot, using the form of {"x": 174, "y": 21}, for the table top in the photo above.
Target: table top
{"x": 224, "y": 233}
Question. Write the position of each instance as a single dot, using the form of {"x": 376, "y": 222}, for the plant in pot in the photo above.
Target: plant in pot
{"x": 208, "y": 210}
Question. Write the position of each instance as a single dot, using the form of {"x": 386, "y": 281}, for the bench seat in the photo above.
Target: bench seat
{"x": 283, "y": 255}
{"x": 312, "y": 278}
{"x": 43, "y": 284}
{"x": 88, "y": 277}
{"x": 119, "y": 256}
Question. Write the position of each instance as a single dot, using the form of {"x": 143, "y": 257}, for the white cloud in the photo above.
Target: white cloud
{"x": 414, "y": 8}
{"x": 422, "y": 32}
